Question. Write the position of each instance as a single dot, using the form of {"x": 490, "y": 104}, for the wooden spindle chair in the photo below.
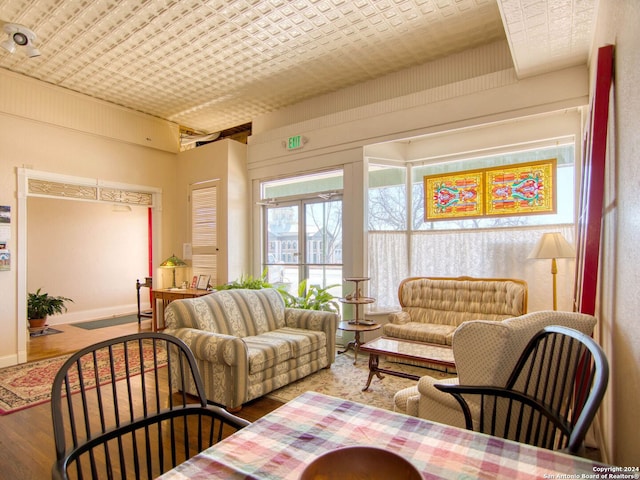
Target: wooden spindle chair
{"x": 119, "y": 409}
{"x": 551, "y": 397}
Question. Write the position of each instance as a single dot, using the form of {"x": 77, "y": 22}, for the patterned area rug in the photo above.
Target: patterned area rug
{"x": 346, "y": 380}
{"x": 29, "y": 384}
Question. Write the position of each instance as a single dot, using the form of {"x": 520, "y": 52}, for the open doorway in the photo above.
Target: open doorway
{"x": 89, "y": 252}
{"x": 62, "y": 255}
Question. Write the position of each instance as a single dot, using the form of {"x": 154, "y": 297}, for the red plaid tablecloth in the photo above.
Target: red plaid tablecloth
{"x": 283, "y": 442}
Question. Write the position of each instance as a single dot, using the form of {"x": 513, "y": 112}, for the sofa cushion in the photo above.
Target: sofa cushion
{"x": 452, "y": 301}
{"x": 421, "y": 332}
{"x": 300, "y": 341}
{"x": 277, "y": 346}
{"x": 265, "y": 351}
{"x": 235, "y": 312}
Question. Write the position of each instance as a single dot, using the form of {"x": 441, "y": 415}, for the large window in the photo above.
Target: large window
{"x": 303, "y": 230}
{"x": 402, "y": 244}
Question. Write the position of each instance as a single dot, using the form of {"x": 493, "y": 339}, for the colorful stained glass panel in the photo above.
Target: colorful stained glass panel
{"x": 521, "y": 189}
{"x": 457, "y": 195}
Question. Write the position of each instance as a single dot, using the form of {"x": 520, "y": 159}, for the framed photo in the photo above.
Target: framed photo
{"x": 453, "y": 196}
{"x": 522, "y": 189}
{"x": 194, "y": 281}
{"x": 203, "y": 282}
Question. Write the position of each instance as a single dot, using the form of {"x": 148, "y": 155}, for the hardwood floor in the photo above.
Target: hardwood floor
{"x": 26, "y": 443}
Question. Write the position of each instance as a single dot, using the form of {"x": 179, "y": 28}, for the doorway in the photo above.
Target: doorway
{"x": 303, "y": 240}
{"x": 45, "y": 185}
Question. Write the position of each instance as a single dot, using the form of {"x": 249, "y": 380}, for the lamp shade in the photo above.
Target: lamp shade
{"x": 173, "y": 262}
{"x": 552, "y": 245}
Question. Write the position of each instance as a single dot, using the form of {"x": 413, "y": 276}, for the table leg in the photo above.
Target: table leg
{"x": 373, "y": 369}
{"x": 154, "y": 314}
{"x": 354, "y": 345}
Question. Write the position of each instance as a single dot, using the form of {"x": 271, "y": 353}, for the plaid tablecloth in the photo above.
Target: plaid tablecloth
{"x": 283, "y": 442}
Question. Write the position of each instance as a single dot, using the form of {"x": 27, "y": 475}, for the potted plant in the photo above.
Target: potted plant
{"x": 312, "y": 297}
{"x": 40, "y": 305}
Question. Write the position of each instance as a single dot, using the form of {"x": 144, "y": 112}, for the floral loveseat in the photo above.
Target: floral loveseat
{"x": 248, "y": 344}
{"x": 433, "y": 307}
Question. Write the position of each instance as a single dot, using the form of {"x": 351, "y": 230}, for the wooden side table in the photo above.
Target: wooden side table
{"x": 357, "y": 328}
{"x": 168, "y": 295}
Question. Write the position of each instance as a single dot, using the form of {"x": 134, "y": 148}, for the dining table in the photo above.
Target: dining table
{"x": 283, "y": 442}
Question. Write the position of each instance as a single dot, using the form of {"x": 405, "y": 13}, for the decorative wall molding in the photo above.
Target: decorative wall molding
{"x": 84, "y": 192}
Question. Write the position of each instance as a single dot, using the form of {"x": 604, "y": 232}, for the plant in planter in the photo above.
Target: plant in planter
{"x": 312, "y": 297}
{"x": 41, "y": 305}
{"x": 247, "y": 281}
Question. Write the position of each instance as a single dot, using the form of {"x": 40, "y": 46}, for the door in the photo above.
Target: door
{"x": 303, "y": 240}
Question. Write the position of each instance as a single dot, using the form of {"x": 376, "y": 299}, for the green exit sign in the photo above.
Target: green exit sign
{"x": 294, "y": 142}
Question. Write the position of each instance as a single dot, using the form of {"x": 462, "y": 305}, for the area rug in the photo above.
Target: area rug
{"x": 106, "y": 322}
{"x": 46, "y": 331}
{"x": 29, "y": 384}
{"x": 346, "y": 380}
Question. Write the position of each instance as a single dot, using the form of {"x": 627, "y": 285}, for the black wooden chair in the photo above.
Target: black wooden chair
{"x": 551, "y": 397}
{"x": 119, "y": 409}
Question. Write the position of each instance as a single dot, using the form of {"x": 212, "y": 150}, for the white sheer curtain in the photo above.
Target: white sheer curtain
{"x": 499, "y": 253}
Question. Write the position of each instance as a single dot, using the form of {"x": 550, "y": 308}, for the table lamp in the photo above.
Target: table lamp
{"x": 172, "y": 262}
{"x": 553, "y": 245}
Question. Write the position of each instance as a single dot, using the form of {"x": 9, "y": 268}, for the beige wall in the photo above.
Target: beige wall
{"x": 619, "y": 302}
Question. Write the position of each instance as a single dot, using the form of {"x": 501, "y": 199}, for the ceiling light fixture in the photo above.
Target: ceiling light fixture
{"x": 19, "y": 35}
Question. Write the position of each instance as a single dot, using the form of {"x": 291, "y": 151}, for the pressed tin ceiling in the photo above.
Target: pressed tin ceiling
{"x": 210, "y": 65}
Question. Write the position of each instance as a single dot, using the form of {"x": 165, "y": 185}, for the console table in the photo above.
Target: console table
{"x": 168, "y": 295}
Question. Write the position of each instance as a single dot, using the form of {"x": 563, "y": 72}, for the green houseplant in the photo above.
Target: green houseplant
{"x": 41, "y": 305}
{"x": 309, "y": 297}
{"x": 312, "y": 297}
{"x": 248, "y": 281}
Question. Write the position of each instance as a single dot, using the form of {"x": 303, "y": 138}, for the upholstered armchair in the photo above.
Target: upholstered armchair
{"x": 485, "y": 353}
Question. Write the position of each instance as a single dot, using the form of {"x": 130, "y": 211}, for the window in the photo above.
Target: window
{"x": 483, "y": 247}
{"x": 303, "y": 230}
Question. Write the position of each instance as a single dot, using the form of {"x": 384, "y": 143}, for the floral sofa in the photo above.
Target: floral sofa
{"x": 433, "y": 307}
{"x": 248, "y": 344}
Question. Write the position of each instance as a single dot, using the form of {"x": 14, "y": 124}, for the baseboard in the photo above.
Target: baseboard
{"x": 95, "y": 314}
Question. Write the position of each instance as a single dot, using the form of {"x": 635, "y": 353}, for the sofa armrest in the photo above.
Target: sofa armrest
{"x": 399, "y": 318}
{"x": 439, "y": 406}
{"x": 318, "y": 320}
{"x": 226, "y": 350}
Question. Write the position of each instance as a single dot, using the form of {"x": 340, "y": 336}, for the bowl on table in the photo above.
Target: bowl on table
{"x": 360, "y": 463}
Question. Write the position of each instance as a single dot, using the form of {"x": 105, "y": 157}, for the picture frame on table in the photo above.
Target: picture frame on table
{"x": 194, "y": 281}
{"x": 203, "y": 282}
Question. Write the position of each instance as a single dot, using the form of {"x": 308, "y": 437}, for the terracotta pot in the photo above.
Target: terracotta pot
{"x": 37, "y": 322}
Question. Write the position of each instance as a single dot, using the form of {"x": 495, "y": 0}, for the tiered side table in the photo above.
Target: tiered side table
{"x": 358, "y": 324}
